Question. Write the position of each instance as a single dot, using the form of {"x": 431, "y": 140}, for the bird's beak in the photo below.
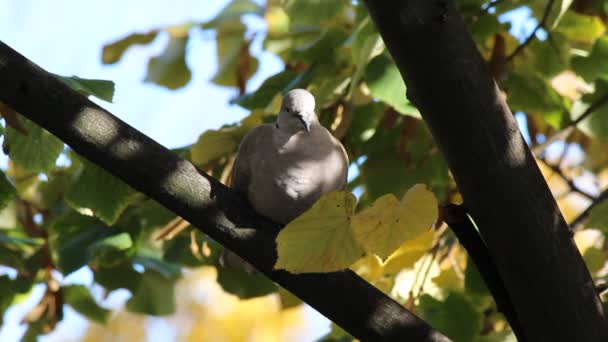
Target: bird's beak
{"x": 305, "y": 123}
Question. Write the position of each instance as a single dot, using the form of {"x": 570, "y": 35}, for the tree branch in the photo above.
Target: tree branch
{"x": 343, "y": 297}
{"x": 585, "y": 213}
{"x": 456, "y": 218}
{"x": 565, "y": 132}
{"x": 532, "y": 36}
{"x": 500, "y": 182}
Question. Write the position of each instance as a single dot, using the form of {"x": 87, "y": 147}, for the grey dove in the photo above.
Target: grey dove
{"x": 283, "y": 168}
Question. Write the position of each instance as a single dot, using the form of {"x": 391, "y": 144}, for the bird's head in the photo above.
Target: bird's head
{"x": 297, "y": 111}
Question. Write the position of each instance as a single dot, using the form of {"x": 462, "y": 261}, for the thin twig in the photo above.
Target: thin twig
{"x": 541, "y": 24}
{"x": 573, "y": 187}
{"x": 574, "y": 225}
{"x": 565, "y": 133}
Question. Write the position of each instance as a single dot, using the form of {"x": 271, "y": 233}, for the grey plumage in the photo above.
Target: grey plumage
{"x": 285, "y": 167}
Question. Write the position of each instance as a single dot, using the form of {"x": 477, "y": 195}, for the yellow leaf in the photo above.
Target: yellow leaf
{"x": 409, "y": 252}
{"x": 387, "y": 223}
{"x": 448, "y": 279}
{"x": 321, "y": 239}
{"x": 369, "y": 268}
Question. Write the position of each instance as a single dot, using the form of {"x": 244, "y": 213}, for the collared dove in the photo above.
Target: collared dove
{"x": 283, "y": 168}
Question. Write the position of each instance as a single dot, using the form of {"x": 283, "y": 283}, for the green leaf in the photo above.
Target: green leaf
{"x": 580, "y": 28}
{"x": 150, "y": 260}
{"x": 114, "y": 51}
{"x": 213, "y": 144}
{"x": 598, "y": 217}
{"x": 37, "y": 151}
{"x": 102, "y": 89}
{"x": 533, "y": 94}
{"x": 169, "y": 69}
{"x": 108, "y": 200}
{"x": 456, "y": 317}
{"x": 313, "y": 12}
{"x": 111, "y": 251}
{"x": 557, "y": 12}
{"x": 596, "y": 124}
{"x": 7, "y": 190}
{"x": 154, "y": 295}
{"x": 243, "y": 284}
{"x": 71, "y": 235}
{"x": 593, "y": 66}
{"x": 272, "y": 86}
{"x": 385, "y": 83}
{"x": 234, "y": 10}
{"x": 80, "y": 299}
{"x": 321, "y": 47}
{"x": 234, "y": 61}
{"x": 366, "y": 44}
{"x": 122, "y": 276}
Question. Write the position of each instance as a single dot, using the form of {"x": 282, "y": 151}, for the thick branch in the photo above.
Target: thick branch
{"x": 550, "y": 288}
{"x": 343, "y": 297}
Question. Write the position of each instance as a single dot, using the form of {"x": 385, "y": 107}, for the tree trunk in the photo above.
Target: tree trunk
{"x": 552, "y": 292}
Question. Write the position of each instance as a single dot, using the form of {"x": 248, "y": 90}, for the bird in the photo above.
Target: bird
{"x": 283, "y": 168}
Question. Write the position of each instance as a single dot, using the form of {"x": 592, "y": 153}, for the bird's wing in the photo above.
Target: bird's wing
{"x": 250, "y": 145}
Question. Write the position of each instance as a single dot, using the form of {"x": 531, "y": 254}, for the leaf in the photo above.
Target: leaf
{"x": 596, "y": 124}
{"x": 598, "y": 217}
{"x": 121, "y": 276}
{"x": 593, "y": 66}
{"x": 321, "y": 239}
{"x": 151, "y": 260}
{"x": 313, "y": 11}
{"x": 532, "y": 93}
{"x": 366, "y": 45}
{"x": 154, "y": 295}
{"x": 503, "y": 336}
{"x": 385, "y": 83}
{"x": 580, "y": 28}
{"x": 111, "y": 251}
{"x": 388, "y": 222}
{"x": 235, "y": 63}
{"x": 7, "y": 191}
{"x": 557, "y": 12}
{"x": 595, "y": 259}
{"x": 169, "y": 69}
{"x": 37, "y": 151}
{"x": 102, "y": 89}
{"x": 80, "y": 299}
{"x": 456, "y": 317}
{"x": 213, "y": 144}
{"x": 114, "y": 51}
{"x": 234, "y": 10}
{"x": 264, "y": 95}
{"x": 244, "y": 285}
{"x": 70, "y": 236}
{"x": 108, "y": 200}
{"x": 325, "y": 44}
{"x": 409, "y": 252}
{"x": 288, "y": 300}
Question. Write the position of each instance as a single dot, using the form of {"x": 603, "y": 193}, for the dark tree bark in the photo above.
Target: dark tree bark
{"x": 503, "y": 189}
{"x": 343, "y": 297}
